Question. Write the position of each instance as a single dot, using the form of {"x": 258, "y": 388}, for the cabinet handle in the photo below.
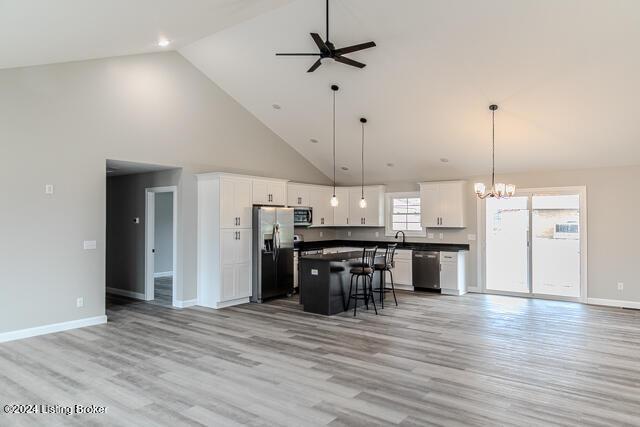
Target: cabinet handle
{"x": 238, "y": 235}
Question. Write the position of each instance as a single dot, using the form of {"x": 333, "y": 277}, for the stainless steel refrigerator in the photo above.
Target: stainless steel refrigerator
{"x": 272, "y": 253}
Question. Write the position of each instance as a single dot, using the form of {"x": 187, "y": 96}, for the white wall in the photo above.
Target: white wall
{"x": 58, "y": 125}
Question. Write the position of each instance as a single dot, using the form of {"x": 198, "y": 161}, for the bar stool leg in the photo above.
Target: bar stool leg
{"x": 373, "y": 299}
{"x": 349, "y": 297}
{"x": 366, "y": 292}
{"x": 383, "y": 285}
{"x": 393, "y": 288}
{"x": 355, "y": 301}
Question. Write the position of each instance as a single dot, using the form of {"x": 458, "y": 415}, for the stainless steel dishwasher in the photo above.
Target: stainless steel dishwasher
{"x": 426, "y": 269}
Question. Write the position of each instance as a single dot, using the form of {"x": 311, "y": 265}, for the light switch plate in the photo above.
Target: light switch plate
{"x": 377, "y": 234}
{"x": 430, "y": 236}
{"x": 471, "y": 237}
{"x": 441, "y": 236}
{"x": 321, "y": 233}
{"x": 620, "y": 286}
{"x": 48, "y": 189}
{"x": 80, "y": 302}
{"x": 348, "y": 234}
{"x": 89, "y": 245}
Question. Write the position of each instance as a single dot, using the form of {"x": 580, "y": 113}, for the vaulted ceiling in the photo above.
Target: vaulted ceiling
{"x": 34, "y": 32}
{"x": 564, "y": 73}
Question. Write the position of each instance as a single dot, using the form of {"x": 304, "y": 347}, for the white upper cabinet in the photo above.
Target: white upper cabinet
{"x": 298, "y": 195}
{"x": 235, "y": 202}
{"x": 341, "y": 212}
{"x": 269, "y": 192}
{"x": 320, "y": 198}
{"x": 373, "y": 214}
{"x": 443, "y": 204}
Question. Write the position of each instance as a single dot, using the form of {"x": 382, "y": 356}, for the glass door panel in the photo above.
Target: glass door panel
{"x": 507, "y": 251}
{"x": 555, "y": 249}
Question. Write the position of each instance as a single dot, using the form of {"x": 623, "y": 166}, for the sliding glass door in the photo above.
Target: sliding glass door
{"x": 533, "y": 244}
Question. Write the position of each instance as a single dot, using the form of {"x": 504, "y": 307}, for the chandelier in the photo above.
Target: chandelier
{"x": 498, "y": 190}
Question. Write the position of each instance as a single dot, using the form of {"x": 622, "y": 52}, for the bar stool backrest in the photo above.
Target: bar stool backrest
{"x": 389, "y": 254}
{"x": 369, "y": 256}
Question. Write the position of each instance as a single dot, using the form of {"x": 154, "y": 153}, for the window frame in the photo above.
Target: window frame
{"x": 388, "y": 226}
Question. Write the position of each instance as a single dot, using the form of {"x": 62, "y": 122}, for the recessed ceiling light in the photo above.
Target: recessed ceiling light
{"x": 444, "y": 160}
{"x": 164, "y": 42}
{"x": 313, "y": 140}
{"x": 344, "y": 168}
{"x": 390, "y": 165}
{"x": 276, "y": 107}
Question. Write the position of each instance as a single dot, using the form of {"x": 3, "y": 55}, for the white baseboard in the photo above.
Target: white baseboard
{"x": 226, "y": 303}
{"x": 613, "y": 303}
{"x": 456, "y": 292}
{"x": 475, "y": 289}
{"x": 125, "y": 293}
{"x": 49, "y": 329}
{"x": 185, "y": 303}
{"x": 163, "y": 274}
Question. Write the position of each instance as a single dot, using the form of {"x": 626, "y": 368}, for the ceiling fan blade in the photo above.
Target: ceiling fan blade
{"x": 298, "y": 54}
{"x": 349, "y": 62}
{"x": 321, "y": 44}
{"x": 315, "y": 66}
{"x": 354, "y": 48}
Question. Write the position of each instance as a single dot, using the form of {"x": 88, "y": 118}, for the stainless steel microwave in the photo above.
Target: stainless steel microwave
{"x": 302, "y": 216}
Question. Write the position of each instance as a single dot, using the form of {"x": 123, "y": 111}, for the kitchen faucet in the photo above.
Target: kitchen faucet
{"x": 403, "y": 236}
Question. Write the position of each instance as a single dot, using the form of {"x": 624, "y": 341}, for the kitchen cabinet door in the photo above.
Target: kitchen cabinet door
{"x": 452, "y": 206}
{"x": 242, "y": 202}
{"x": 277, "y": 193}
{"x": 243, "y": 246}
{"x": 228, "y": 246}
{"x": 430, "y": 204}
{"x": 260, "y": 192}
{"x": 357, "y": 214}
{"x": 401, "y": 273}
{"x": 228, "y": 213}
{"x": 320, "y": 198}
{"x": 243, "y": 284}
{"x": 341, "y": 212}
{"x": 298, "y": 195}
{"x": 228, "y": 288}
{"x": 374, "y": 212}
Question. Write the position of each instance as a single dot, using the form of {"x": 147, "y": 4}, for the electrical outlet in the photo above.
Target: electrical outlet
{"x": 348, "y": 234}
{"x": 48, "y": 189}
{"x": 321, "y": 233}
{"x": 430, "y": 236}
{"x": 377, "y": 234}
{"x": 80, "y": 302}
{"x": 620, "y": 286}
{"x": 441, "y": 236}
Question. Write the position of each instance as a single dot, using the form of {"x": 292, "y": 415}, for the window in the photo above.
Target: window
{"x": 403, "y": 214}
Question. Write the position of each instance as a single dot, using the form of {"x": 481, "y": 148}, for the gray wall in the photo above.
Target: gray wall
{"x": 163, "y": 236}
{"x": 613, "y": 208}
{"x": 125, "y": 241}
{"x": 58, "y": 125}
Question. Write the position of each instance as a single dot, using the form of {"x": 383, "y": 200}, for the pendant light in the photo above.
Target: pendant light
{"x": 363, "y": 201}
{"x": 498, "y": 190}
{"x": 334, "y": 200}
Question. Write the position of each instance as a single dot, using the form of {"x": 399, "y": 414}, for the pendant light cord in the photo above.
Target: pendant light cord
{"x": 363, "y": 160}
{"x": 493, "y": 149}
{"x": 334, "y": 143}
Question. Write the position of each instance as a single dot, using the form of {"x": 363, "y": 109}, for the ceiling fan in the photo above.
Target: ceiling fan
{"x": 328, "y": 50}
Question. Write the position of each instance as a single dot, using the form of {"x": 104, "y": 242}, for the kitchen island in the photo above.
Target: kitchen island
{"x": 324, "y": 281}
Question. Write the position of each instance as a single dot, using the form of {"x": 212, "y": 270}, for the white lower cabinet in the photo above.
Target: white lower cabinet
{"x": 452, "y": 273}
{"x": 402, "y": 270}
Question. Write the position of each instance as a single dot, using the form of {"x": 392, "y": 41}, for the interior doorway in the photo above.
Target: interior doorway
{"x": 535, "y": 244}
{"x": 161, "y": 210}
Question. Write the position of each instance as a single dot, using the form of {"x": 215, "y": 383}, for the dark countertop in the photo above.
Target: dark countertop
{"x": 446, "y": 247}
{"x": 340, "y": 257}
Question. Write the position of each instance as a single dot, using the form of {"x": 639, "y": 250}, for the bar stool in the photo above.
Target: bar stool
{"x": 383, "y": 267}
{"x": 364, "y": 270}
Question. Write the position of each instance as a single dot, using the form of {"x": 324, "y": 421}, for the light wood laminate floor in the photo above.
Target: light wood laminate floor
{"x": 434, "y": 360}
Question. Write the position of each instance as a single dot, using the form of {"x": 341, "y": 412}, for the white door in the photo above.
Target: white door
{"x": 533, "y": 244}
